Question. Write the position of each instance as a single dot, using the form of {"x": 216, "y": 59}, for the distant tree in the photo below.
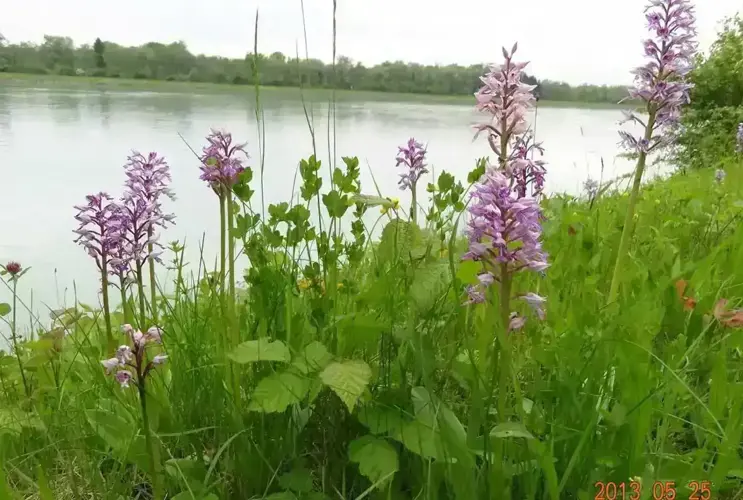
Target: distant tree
{"x": 174, "y": 62}
{"x": 99, "y": 48}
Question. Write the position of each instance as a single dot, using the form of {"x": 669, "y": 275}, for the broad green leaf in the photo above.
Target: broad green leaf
{"x": 511, "y": 430}
{"x": 277, "y": 391}
{"x": 260, "y": 350}
{"x": 113, "y": 428}
{"x": 429, "y": 284}
{"x": 382, "y": 420}
{"x": 298, "y": 479}
{"x": 377, "y": 459}
{"x": 422, "y": 439}
{"x": 348, "y": 379}
{"x": 282, "y": 495}
{"x": 4, "y": 308}
{"x": 398, "y": 238}
{"x": 189, "y": 469}
{"x": 312, "y": 358}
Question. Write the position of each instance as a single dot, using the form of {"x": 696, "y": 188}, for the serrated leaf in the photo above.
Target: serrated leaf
{"x": 277, "y": 391}
{"x": 429, "y": 284}
{"x": 348, "y": 379}
{"x": 382, "y": 420}
{"x": 260, "y": 350}
{"x": 511, "y": 430}
{"x": 314, "y": 357}
{"x": 377, "y": 459}
{"x": 398, "y": 238}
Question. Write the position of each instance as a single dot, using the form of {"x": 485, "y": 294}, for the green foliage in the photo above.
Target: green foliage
{"x": 377, "y": 459}
{"x": 348, "y": 380}
{"x": 711, "y": 122}
{"x": 173, "y": 62}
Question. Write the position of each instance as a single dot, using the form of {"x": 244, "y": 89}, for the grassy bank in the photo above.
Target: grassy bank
{"x": 132, "y": 85}
{"x": 357, "y": 373}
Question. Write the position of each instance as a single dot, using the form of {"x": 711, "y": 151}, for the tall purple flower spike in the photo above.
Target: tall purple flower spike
{"x": 413, "y": 157}
{"x": 140, "y": 210}
{"x": 222, "y": 161}
{"x": 100, "y": 230}
{"x": 508, "y": 100}
{"x": 661, "y": 81}
{"x": 504, "y": 229}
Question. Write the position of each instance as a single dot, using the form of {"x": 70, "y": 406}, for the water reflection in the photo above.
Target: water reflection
{"x": 86, "y": 137}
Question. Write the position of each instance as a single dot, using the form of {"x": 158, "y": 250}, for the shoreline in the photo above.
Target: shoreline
{"x": 50, "y": 82}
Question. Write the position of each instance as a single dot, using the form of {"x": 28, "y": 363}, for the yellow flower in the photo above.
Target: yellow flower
{"x": 303, "y": 284}
{"x": 383, "y": 210}
{"x": 395, "y": 203}
{"x": 340, "y": 286}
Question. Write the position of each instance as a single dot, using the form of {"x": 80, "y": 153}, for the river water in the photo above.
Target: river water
{"x": 57, "y": 146}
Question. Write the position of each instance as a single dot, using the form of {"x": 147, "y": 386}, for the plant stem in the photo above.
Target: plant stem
{"x": 106, "y": 304}
{"x": 14, "y": 336}
{"x": 222, "y": 241}
{"x": 414, "y": 207}
{"x": 140, "y": 290}
{"x": 627, "y": 231}
{"x": 231, "y": 309}
{"x": 154, "y": 462}
{"x": 124, "y": 302}
{"x": 153, "y": 284}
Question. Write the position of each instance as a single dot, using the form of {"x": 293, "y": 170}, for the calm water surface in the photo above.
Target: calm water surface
{"x": 57, "y": 146}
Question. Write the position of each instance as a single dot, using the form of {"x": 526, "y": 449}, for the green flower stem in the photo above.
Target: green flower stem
{"x": 629, "y": 219}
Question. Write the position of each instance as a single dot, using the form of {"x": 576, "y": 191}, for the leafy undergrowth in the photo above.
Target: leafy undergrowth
{"x": 359, "y": 374}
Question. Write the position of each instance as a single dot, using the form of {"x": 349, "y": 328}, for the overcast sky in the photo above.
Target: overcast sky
{"x": 578, "y": 41}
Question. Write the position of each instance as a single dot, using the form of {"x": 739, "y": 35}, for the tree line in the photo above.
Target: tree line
{"x": 174, "y": 62}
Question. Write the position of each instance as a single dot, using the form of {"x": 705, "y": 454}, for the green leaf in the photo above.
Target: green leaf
{"x": 260, "y": 350}
{"x": 377, "y": 459}
{"x": 279, "y": 390}
{"x": 422, "y": 439}
{"x": 335, "y": 203}
{"x": 398, "y": 238}
{"x": 348, "y": 379}
{"x": 511, "y": 430}
{"x": 382, "y": 420}
{"x": 282, "y": 495}
{"x": 45, "y": 492}
{"x": 314, "y": 357}
{"x": 429, "y": 284}
{"x": 298, "y": 479}
{"x": 4, "y": 308}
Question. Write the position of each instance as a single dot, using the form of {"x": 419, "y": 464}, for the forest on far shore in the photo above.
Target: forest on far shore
{"x": 174, "y": 62}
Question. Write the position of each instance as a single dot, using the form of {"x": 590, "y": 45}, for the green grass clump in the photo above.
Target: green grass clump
{"x": 345, "y": 366}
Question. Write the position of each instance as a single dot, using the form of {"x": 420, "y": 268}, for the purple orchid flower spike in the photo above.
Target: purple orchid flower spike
{"x": 661, "y": 81}
{"x": 222, "y": 161}
{"x": 412, "y": 156}
{"x": 505, "y": 224}
{"x": 100, "y": 230}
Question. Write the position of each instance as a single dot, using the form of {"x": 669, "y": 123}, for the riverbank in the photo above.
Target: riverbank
{"x": 161, "y": 86}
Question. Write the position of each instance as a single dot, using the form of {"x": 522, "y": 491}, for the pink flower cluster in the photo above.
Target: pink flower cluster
{"x": 130, "y": 360}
